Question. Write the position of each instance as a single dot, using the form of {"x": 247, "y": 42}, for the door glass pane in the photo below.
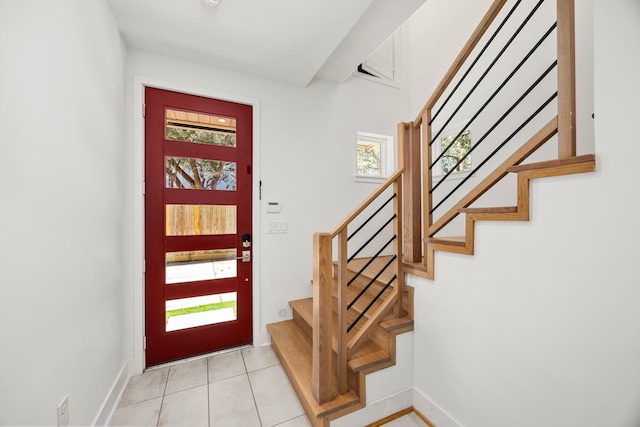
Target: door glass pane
{"x": 181, "y": 172}
{"x": 191, "y": 266}
{"x": 193, "y": 220}
{"x": 198, "y": 311}
{"x": 200, "y": 128}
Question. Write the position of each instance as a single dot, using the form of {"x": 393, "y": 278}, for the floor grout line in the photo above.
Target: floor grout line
{"x": 191, "y": 375}
{"x": 255, "y": 404}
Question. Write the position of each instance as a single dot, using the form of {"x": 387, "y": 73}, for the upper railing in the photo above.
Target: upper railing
{"x": 368, "y": 242}
{"x": 495, "y": 105}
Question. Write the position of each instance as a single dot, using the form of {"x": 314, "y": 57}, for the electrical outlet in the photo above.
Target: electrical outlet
{"x": 63, "y": 412}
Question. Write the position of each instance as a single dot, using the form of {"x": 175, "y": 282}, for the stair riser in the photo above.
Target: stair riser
{"x": 302, "y": 323}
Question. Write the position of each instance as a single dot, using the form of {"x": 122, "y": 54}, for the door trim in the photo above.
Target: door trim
{"x": 137, "y": 255}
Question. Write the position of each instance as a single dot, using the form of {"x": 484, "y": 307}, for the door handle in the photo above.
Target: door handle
{"x": 246, "y": 256}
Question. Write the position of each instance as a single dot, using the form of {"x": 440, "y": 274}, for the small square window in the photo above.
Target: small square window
{"x": 373, "y": 155}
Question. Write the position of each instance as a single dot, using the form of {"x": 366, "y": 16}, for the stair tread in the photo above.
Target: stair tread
{"x": 501, "y": 209}
{"x": 294, "y": 350}
{"x": 304, "y": 307}
{"x": 366, "y": 356}
{"x": 450, "y": 241}
{"x": 397, "y": 323}
{"x": 553, "y": 163}
{"x": 376, "y": 265}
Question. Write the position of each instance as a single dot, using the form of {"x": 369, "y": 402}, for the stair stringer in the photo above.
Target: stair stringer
{"x": 520, "y": 212}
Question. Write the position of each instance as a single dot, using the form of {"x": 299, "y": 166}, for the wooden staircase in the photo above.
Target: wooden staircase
{"x": 292, "y": 342}
{"x": 335, "y": 339}
{"x": 520, "y": 212}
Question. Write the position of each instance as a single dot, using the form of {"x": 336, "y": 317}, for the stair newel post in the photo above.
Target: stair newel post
{"x": 427, "y": 184}
{"x": 427, "y": 176}
{"x": 341, "y": 327}
{"x": 566, "y": 79}
{"x": 409, "y": 160}
{"x": 398, "y": 230}
{"x": 322, "y": 317}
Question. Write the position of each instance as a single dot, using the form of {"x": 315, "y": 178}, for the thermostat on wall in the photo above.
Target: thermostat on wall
{"x": 273, "y": 207}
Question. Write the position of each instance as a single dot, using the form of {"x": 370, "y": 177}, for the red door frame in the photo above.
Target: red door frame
{"x": 165, "y": 346}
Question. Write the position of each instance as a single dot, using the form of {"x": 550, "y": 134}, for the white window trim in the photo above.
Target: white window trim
{"x": 387, "y": 162}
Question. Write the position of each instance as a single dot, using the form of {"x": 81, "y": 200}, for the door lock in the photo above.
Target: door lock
{"x": 246, "y": 256}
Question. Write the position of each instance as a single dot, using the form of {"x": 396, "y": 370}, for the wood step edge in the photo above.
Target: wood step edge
{"x": 301, "y": 304}
{"x": 397, "y": 324}
{"x": 293, "y": 349}
{"x": 304, "y": 308}
{"x": 370, "y": 362}
{"x": 586, "y": 158}
{"x": 455, "y": 241}
{"x": 501, "y": 209}
{"x": 356, "y": 264}
{"x": 504, "y": 213}
{"x": 374, "y": 355}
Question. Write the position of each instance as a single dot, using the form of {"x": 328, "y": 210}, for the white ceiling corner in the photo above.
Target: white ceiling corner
{"x": 290, "y": 41}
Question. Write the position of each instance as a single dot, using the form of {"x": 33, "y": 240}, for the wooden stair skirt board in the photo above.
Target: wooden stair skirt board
{"x": 292, "y": 342}
{"x": 526, "y": 172}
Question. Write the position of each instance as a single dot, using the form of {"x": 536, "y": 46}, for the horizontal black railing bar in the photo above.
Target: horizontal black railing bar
{"x": 509, "y": 138}
{"x": 372, "y": 216}
{"x": 371, "y": 238}
{"x": 371, "y": 282}
{"x": 373, "y": 301}
{"x": 373, "y": 258}
{"x": 497, "y": 91}
{"x": 475, "y": 61}
{"x": 475, "y": 86}
{"x": 496, "y": 124}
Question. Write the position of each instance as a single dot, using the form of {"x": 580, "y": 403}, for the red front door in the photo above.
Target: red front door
{"x": 197, "y": 225}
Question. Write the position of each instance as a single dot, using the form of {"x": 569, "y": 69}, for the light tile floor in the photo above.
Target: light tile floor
{"x": 243, "y": 388}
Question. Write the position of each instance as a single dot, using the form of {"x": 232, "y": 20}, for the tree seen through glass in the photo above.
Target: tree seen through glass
{"x": 456, "y": 150}
{"x": 200, "y": 173}
{"x": 369, "y": 159}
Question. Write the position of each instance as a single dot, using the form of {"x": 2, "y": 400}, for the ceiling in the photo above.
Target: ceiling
{"x": 291, "y": 41}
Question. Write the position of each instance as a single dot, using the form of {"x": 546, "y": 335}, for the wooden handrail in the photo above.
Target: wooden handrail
{"x": 477, "y": 34}
{"x": 563, "y": 125}
{"x": 357, "y": 211}
{"x": 326, "y": 329}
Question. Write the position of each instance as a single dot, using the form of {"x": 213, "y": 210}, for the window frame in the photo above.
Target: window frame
{"x": 387, "y": 156}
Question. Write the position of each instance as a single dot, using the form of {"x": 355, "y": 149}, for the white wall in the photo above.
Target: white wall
{"x": 540, "y": 326}
{"x": 61, "y": 223}
{"x": 306, "y": 145}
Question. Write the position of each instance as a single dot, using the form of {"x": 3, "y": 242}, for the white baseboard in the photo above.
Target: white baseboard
{"x": 111, "y": 401}
{"x": 432, "y": 411}
{"x": 377, "y": 410}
